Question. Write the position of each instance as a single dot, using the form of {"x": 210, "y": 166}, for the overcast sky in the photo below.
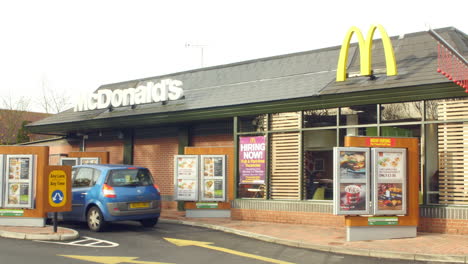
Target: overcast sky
{"x": 76, "y": 46}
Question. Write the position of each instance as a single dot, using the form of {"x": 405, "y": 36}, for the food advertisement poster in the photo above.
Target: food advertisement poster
{"x": 352, "y": 197}
{"x": 19, "y": 181}
{"x": 186, "y": 177}
{"x": 353, "y": 165}
{"x": 389, "y": 176}
{"x": 390, "y": 165}
{"x": 351, "y": 181}
{"x": 390, "y": 196}
{"x": 213, "y": 177}
{"x": 252, "y": 160}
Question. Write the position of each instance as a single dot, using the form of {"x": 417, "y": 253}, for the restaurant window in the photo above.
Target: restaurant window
{"x": 401, "y": 112}
{"x": 432, "y": 163}
{"x": 401, "y": 131}
{"x": 320, "y": 117}
{"x": 356, "y": 131}
{"x": 254, "y": 123}
{"x": 358, "y": 115}
{"x": 318, "y": 164}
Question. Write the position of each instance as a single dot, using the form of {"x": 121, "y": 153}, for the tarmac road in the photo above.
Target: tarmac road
{"x": 166, "y": 243}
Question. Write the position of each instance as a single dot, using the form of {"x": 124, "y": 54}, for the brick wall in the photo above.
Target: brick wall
{"x": 438, "y": 225}
{"x": 306, "y": 218}
{"x": 223, "y": 140}
{"x": 115, "y": 148}
{"x": 157, "y": 154}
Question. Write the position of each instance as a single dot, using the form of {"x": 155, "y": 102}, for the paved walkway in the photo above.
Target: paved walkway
{"x": 425, "y": 247}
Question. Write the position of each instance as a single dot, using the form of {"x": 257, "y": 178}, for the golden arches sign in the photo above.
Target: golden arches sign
{"x": 365, "y": 50}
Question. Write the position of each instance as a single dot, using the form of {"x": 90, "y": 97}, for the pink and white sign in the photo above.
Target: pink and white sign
{"x": 252, "y": 160}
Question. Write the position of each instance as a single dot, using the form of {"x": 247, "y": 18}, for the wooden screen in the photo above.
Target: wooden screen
{"x": 453, "y": 153}
{"x": 285, "y": 149}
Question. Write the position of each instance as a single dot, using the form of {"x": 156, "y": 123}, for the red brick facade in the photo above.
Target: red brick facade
{"x": 157, "y": 154}
{"x": 306, "y": 218}
{"x": 448, "y": 226}
{"x": 114, "y": 147}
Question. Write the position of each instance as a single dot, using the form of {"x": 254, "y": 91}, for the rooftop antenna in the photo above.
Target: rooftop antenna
{"x": 201, "y": 47}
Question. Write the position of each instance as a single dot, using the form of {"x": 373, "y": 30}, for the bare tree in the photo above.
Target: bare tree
{"x": 12, "y": 115}
{"x": 53, "y": 100}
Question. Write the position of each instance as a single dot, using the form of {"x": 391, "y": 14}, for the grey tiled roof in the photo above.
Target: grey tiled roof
{"x": 298, "y": 75}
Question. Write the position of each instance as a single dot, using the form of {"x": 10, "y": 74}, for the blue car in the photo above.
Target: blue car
{"x": 107, "y": 193}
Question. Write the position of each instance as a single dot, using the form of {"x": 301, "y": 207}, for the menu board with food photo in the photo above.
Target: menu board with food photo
{"x": 352, "y": 197}
{"x": 212, "y": 167}
{"x": 213, "y": 189}
{"x": 213, "y": 177}
{"x": 187, "y": 189}
{"x": 390, "y": 196}
{"x": 186, "y": 177}
{"x": 390, "y": 165}
{"x": 19, "y": 168}
{"x": 19, "y": 181}
{"x": 353, "y": 165}
{"x": 186, "y": 166}
{"x": 86, "y": 161}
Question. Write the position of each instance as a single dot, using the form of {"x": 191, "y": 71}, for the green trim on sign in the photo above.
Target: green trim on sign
{"x": 11, "y": 212}
{"x": 386, "y": 220}
{"x": 207, "y": 205}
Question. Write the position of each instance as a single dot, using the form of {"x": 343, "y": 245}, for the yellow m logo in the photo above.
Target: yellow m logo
{"x": 365, "y": 50}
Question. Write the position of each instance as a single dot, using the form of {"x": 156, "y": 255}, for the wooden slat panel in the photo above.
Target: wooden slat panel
{"x": 285, "y": 159}
{"x": 453, "y": 153}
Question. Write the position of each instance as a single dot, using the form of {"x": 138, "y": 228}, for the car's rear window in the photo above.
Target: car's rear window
{"x": 129, "y": 177}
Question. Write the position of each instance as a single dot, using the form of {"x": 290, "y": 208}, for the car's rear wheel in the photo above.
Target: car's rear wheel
{"x": 149, "y": 222}
{"x": 95, "y": 219}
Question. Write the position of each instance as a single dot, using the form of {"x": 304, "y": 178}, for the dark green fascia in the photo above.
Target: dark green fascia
{"x": 306, "y": 103}
{"x": 128, "y": 143}
{"x": 183, "y": 137}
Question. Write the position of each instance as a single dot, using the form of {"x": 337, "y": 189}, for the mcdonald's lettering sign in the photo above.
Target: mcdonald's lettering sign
{"x": 365, "y": 49}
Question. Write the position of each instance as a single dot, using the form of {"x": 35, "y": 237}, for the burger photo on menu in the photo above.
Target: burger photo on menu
{"x": 352, "y": 165}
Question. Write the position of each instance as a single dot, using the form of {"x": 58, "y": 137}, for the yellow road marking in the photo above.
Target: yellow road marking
{"x": 111, "y": 260}
{"x": 183, "y": 243}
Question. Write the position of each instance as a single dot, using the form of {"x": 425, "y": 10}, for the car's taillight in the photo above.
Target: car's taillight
{"x": 157, "y": 188}
{"x": 108, "y": 191}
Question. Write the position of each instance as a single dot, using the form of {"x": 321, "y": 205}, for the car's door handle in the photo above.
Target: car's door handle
{"x": 84, "y": 193}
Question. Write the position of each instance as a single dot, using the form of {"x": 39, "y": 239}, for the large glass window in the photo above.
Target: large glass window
{"x": 358, "y": 115}
{"x": 401, "y": 112}
{"x": 318, "y": 164}
{"x": 432, "y": 163}
{"x": 320, "y": 117}
{"x": 254, "y": 123}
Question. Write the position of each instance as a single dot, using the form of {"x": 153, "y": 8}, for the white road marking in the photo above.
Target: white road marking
{"x": 90, "y": 242}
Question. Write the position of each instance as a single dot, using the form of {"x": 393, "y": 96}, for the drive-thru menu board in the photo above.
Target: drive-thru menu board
{"x": 186, "y": 177}
{"x": 389, "y": 179}
{"x": 352, "y": 181}
{"x": 200, "y": 177}
{"x": 213, "y": 180}
{"x": 19, "y": 181}
{"x": 370, "y": 181}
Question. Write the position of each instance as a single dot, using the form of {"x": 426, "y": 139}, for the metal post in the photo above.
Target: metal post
{"x": 55, "y": 222}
